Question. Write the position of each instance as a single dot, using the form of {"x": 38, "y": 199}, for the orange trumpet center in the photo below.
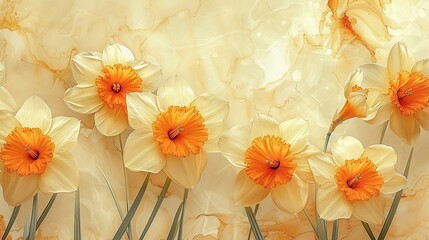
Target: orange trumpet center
{"x": 117, "y": 81}
{"x": 180, "y": 131}
{"x": 269, "y": 161}
{"x": 359, "y": 179}
{"x": 27, "y": 151}
{"x": 410, "y": 92}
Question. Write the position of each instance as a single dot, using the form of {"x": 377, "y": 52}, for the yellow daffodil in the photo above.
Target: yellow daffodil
{"x": 353, "y": 179}
{"x": 403, "y": 88}
{"x": 273, "y": 159}
{"x": 173, "y": 131}
{"x": 104, "y": 80}
{"x": 35, "y": 150}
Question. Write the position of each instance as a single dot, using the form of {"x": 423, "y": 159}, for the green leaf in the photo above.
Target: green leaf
{"x": 77, "y": 230}
{"x": 156, "y": 207}
{"x": 176, "y": 221}
{"x": 46, "y": 210}
{"x": 122, "y": 228}
{"x": 254, "y": 224}
{"x": 11, "y": 221}
{"x": 368, "y": 230}
{"x": 185, "y": 197}
{"x": 129, "y": 232}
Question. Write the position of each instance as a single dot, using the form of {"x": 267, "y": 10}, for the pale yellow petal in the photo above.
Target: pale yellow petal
{"x": 116, "y": 53}
{"x": 186, "y": 171}
{"x": 233, "y": 143}
{"x": 7, "y": 103}
{"x": 175, "y": 91}
{"x": 384, "y": 157}
{"x": 323, "y": 167}
{"x": 8, "y": 123}
{"x": 83, "y": 99}
{"x": 111, "y": 122}
{"x": 346, "y": 148}
{"x": 383, "y": 112}
{"x": 150, "y": 74}
{"x": 64, "y": 132}
{"x": 422, "y": 66}
{"x": 35, "y": 113}
{"x": 292, "y": 196}
{"x": 302, "y": 166}
{"x": 331, "y": 203}
{"x": 423, "y": 118}
{"x": 406, "y": 127}
{"x": 247, "y": 192}
{"x": 395, "y": 184}
{"x": 17, "y": 189}
{"x": 400, "y": 59}
{"x": 263, "y": 125}
{"x": 371, "y": 211}
{"x": 61, "y": 174}
{"x": 295, "y": 132}
{"x": 142, "y": 153}
{"x": 86, "y": 68}
{"x": 142, "y": 109}
{"x": 354, "y": 79}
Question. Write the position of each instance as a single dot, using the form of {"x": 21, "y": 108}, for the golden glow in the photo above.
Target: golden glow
{"x": 359, "y": 179}
{"x": 180, "y": 131}
{"x": 27, "y": 151}
{"x": 410, "y": 92}
{"x": 269, "y": 161}
{"x": 117, "y": 81}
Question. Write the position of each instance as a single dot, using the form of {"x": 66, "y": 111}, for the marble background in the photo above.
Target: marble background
{"x": 270, "y": 56}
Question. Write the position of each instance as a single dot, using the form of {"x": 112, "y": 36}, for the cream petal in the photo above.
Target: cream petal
{"x": 86, "y": 68}
{"x": 295, "y": 132}
{"x": 61, "y": 174}
{"x": 148, "y": 158}
{"x": 175, "y": 91}
{"x": 406, "y": 127}
{"x": 35, "y": 113}
{"x": 83, "y": 99}
{"x": 323, "y": 167}
{"x": 396, "y": 183}
{"x": 214, "y": 110}
{"x": 384, "y": 157}
{"x": 302, "y": 166}
{"x": 263, "y": 125}
{"x": 422, "y": 66}
{"x": 8, "y": 123}
{"x": 382, "y": 114}
{"x": 346, "y": 148}
{"x": 142, "y": 109}
{"x": 116, "y": 53}
{"x": 423, "y": 118}
{"x": 247, "y": 192}
{"x": 186, "y": 171}
{"x": 371, "y": 211}
{"x": 399, "y": 60}
{"x": 233, "y": 143}
{"x": 292, "y": 196}
{"x": 375, "y": 77}
{"x": 7, "y": 103}
{"x": 354, "y": 79}
{"x": 64, "y": 132}
{"x": 150, "y": 74}
{"x": 17, "y": 189}
{"x": 331, "y": 203}
{"x": 111, "y": 122}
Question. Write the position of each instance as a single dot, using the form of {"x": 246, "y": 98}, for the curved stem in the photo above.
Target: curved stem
{"x": 383, "y": 131}
{"x": 328, "y": 136}
{"x": 129, "y": 233}
{"x": 185, "y": 197}
{"x": 368, "y": 230}
{"x": 11, "y": 221}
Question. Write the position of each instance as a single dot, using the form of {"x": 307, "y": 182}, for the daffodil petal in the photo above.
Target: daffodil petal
{"x": 384, "y": 157}
{"x": 400, "y": 59}
{"x": 371, "y": 211}
{"x": 332, "y": 204}
{"x": 116, "y": 53}
{"x": 383, "y": 112}
{"x": 111, "y": 122}
{"x": 292, "y": 196}
{"x": 186, "y": 171}
{"x": 423, "y": 118}
{"x": 233, "y": 143}
{"x": 323, "y": 167}
{"x": 61, "y": 174}
{"x": 64, "y": 132}
{"x": 142, "y": 109}
{"x": 246, "y": 192}
{"x": 396, "y": 183}
{"x": 83, "y": 99}
{"x": 35, "y": 113}
{"x": 174, "y": 92}
{"x": 147, "y": 158}
{"x": 406, "y": 127}
{"x": 422, "y": 66}
{"x": 346, "y": 148}
{"x": 150, "y": 74}
{"x": 6, "y": 101}
{"x": 18, "y": 189}
{"x": 263, "y": 125}
{"x": 295, "y": 132}
{"x": 8, "y": 123}
{"x": 86, "y": 68}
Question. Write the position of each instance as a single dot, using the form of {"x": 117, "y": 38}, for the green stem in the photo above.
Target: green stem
{"x": 32, "y": 232}
{"x": 254, "y": 213}
{"x": 11, "y": 221}
{"x": 173, "y": 229}
{"x": 46, "y": 210}
{"x": 328, "y": 136}
{"x": 368, "y": 230}
{"x": 383, "y": 131}
{"x": 185, "y": 197}
{"x": 156, "y": 208}
{"x": 77, "y": 229}
{"x": 310, "y": 221}
{"x": 254, "y": 224}
{"x": 335, "y": 230}
{"x": 129, "y": 233}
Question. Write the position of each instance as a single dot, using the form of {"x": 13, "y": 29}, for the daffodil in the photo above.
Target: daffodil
{"x": 272, "y": 157}
{"x": 174, "y": 130}
{"x": 103, "y": 82}
{"x": 403, "y": 88}
{"x": 352, "y": 180}
{"x": 35, "y": 150}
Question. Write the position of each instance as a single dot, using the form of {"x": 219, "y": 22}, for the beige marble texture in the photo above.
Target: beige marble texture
{"x": 269, "y": 56}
